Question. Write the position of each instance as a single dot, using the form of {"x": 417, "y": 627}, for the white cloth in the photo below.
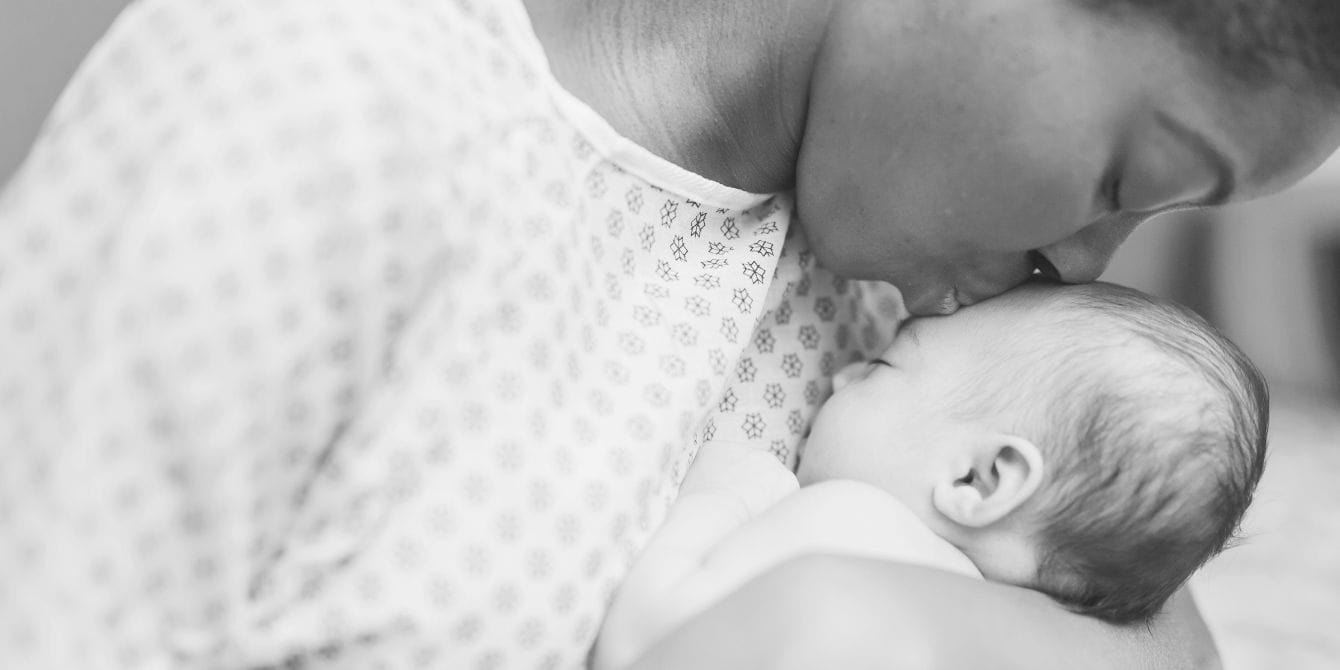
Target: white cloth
{"x": 336, "y": 334}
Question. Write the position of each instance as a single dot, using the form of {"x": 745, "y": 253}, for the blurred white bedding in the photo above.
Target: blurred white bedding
{"x": 1274, "y": 600}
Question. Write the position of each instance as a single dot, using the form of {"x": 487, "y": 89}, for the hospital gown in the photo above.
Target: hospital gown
{"x": 336, "y": 334}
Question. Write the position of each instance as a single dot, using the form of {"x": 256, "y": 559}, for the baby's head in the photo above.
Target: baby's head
{"x": 1090, "y": 441}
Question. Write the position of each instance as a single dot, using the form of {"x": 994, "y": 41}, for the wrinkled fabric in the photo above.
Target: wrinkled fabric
{"x": 335, "y": 335}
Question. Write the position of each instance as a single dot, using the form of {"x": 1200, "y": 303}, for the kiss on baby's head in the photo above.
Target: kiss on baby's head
{"x": 1090, "y": 442}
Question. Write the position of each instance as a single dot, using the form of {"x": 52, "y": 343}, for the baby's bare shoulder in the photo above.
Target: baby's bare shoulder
{"x": 853, "y": 518}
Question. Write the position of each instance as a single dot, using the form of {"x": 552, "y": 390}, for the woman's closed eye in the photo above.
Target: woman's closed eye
{"x": 1112, "y": 195}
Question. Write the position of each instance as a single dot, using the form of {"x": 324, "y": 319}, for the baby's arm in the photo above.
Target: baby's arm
{"x": 727, "y": 485}
{"x": 712, "y": 544}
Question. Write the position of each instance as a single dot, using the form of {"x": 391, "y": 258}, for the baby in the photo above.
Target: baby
{"x": 1090, "y": 442}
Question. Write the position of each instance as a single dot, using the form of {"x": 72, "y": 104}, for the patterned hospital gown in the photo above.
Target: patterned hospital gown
{"x": 333, "y": 333}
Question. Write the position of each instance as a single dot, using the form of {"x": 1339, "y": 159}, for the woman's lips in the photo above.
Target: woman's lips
{"x": 949, "y": 303}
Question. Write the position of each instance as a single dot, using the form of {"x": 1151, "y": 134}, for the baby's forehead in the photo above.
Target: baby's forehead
{"x": 1048, "y": 327}
{"x": 1053, "y": 335}
{"x": 1074, "y": 312}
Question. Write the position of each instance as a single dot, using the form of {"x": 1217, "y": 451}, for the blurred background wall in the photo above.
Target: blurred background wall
{"x": 1267, "y": 272}
{"x": 41, "y": 42}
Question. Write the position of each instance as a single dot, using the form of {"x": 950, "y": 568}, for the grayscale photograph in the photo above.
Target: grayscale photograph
{"x": 669, "y": 334}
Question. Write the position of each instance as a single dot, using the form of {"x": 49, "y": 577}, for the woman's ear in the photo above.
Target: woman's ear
{"x": 1000, "y": 474}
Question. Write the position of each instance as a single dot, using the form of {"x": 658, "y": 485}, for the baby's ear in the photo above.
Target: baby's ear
{"x": 998, "y": 475}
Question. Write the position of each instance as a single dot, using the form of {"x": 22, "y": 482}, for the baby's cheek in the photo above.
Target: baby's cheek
{"x": 805, "y": 470}
{"x": 811, "y": 457}
{"x": 827, "y": 449}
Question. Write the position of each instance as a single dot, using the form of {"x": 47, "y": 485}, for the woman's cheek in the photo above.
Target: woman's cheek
{"x": 1021, "y": 201}
{"x": 1158, "y": 175}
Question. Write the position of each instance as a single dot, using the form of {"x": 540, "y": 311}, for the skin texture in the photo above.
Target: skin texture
{"x": 924, "y": 374}
{"x": 965, "y": 474}
{"x": 877, "y": 615}
{"x": 936, "y": 143}
{"x": 1052, "y": 131}
{"x": 945, "y": 146}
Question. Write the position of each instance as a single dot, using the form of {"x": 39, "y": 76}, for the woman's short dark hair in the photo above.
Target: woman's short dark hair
{"x": 1252, "y": 41}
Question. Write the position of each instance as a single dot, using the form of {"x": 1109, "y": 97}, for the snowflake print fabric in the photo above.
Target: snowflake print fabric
{"x": 335, "y": 334}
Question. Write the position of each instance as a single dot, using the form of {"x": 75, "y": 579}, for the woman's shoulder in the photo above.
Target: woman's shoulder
{"x": 277, "y": 54}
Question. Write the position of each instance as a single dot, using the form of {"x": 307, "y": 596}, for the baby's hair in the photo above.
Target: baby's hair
{"x": 1253, "y": 41}
{"x": 1162, "y": 451}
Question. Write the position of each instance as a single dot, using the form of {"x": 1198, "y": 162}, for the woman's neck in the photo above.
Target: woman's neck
{"x": 719, "y": 87}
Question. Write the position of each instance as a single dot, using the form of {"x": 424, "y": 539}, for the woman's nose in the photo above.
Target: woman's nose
{"x": 1083, "y": 256}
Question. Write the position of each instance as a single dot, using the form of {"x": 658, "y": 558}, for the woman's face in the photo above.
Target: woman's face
{"x": 939, "y": 164}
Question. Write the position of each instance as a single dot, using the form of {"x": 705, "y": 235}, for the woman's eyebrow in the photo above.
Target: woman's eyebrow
{"x": 1226, "y": 182}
